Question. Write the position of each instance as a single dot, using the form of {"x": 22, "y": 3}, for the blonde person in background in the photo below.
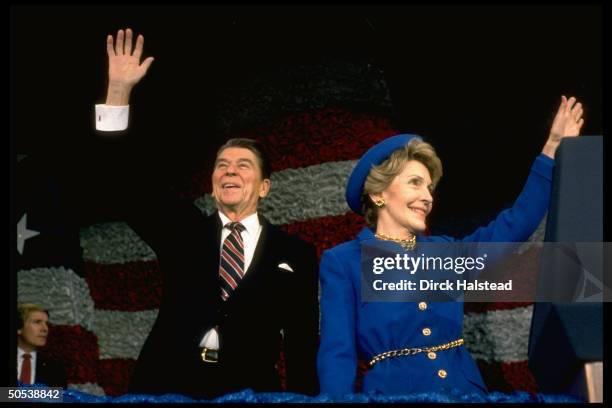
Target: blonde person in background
{"x": 32, "y": 333}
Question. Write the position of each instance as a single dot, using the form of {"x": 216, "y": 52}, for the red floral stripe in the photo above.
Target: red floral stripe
{"x": 131, "y": 286}
{"x": 77, "y": 349}
{"x": 332, "y": 134}
{"x": 327, "y": 232}
{"x": 309, "y": 138}
{"x": 136, "y": 286}
{"x": 523, "y": 269}
{"x": 114, "y": 375}
{"x": 508, "y": 377}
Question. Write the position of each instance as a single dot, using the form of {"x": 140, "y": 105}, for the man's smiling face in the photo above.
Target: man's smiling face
{"x": 238, "y": 183}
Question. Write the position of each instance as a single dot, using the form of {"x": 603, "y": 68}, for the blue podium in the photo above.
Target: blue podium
{"x": 565, "y": 344}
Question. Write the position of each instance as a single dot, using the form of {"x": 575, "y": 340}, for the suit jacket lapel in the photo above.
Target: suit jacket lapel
{"x": 260, "y": 249}
{"x": 216, "y": 222}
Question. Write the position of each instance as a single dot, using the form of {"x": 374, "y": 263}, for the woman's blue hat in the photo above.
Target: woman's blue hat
{"x": 374, "y": 156}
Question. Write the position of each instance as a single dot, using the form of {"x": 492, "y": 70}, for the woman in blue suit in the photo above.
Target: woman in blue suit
{"x": 392, "y": 186}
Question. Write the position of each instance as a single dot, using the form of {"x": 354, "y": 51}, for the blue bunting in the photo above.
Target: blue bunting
{"x": 248, "y": 396}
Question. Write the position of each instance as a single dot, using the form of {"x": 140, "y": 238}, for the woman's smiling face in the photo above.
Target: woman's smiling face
{"x": 408, "y": 199}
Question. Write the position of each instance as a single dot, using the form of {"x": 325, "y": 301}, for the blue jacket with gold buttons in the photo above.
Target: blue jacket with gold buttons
{"x": 352, "y": 328}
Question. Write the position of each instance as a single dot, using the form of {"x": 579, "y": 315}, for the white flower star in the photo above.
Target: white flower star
{"x": 24, "y": 233}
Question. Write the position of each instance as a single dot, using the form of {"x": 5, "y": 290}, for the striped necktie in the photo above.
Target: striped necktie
{"x": 231, "y": 265}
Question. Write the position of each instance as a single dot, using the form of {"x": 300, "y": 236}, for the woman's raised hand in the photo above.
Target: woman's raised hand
{"x": 567, "y": 123}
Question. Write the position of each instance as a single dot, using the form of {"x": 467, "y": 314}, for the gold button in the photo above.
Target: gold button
{"x": 441, "y": 373}
{"x": 426, "y": 331}
{"x": 422, "y": 306}
{"x": 431, "y": 355}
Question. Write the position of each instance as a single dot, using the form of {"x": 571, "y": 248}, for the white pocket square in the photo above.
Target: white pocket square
{"x": 285, "y": 267}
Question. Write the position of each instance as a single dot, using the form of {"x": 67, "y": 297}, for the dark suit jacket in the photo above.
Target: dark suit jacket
{"x": 270, "y": 309}
{"x": 49, "y": 372}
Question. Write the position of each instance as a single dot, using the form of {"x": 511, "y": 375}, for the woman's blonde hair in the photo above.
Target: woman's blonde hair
{"x": 382, "y": 175}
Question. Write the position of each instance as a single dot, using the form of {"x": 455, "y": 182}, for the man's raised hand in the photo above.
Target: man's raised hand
{"x": 124, "y": 67}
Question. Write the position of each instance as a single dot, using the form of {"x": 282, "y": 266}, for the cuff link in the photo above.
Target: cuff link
{"x": 209, "y": 355}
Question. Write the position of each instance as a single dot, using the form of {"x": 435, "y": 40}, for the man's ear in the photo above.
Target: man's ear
{"x": 19, "y": 332}
{"x": 264, "y": 188}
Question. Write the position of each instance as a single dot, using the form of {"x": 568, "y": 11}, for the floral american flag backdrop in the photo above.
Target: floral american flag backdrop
{"x": 315, "y": 121}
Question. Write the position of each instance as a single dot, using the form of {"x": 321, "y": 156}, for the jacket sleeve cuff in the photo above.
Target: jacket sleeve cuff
{"x": 544, "y": 166}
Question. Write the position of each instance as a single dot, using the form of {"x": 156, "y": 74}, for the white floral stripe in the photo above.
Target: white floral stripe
{"x": 65, "y": 294}
{"x": 301, "y": 194}
{"x": 296, "y": 195}
{"x": 535, "y": 238}
{"x": 498, "y": 335}
{"x": 114, "y": 242}
{"x": 89, "y": 388}
{"x": 122, "y": 334}
{"x": 206, "y": 204}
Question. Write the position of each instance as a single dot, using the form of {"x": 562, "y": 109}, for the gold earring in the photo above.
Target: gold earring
{"x": 380, "y": 203}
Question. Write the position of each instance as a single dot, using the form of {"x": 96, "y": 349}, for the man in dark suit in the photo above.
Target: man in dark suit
{"x": 236, "y": 290}
{"x": 32, "y": 333}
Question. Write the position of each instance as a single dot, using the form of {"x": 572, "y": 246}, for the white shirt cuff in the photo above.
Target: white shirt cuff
{"x": 110, "y": 118}
{"x": 210, "y": 340}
